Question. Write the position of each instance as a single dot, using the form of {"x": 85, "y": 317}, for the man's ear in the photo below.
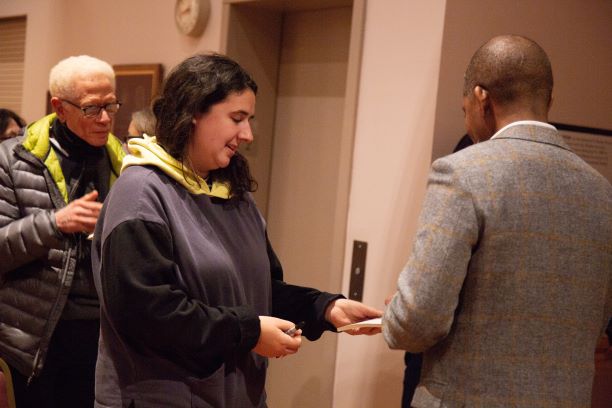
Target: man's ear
{"x": 487, "y": 110}
{"x": 58, "y": 107}
{"x": 550, "y": 102}
{"x": 483, "y": 98}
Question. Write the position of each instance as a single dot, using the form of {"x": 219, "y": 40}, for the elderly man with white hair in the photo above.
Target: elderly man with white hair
{"x": 53, "y": 180}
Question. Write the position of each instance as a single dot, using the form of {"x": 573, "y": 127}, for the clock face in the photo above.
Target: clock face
{"x": 191, "y": 16}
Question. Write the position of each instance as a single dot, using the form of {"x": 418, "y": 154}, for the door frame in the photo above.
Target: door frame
{"x": 256, "y": 43}
{"x": 349, "y": 119}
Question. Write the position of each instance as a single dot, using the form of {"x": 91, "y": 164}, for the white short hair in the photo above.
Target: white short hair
{"x": 144, "y": 121}
{"x": 65, "y": 72}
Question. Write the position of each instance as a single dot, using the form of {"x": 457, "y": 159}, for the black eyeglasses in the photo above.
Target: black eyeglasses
{"x": 92, "y": 111}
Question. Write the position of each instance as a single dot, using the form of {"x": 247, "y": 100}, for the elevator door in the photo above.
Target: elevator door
{"x": 302, "y": 57}
{"x": 303, "y": 184}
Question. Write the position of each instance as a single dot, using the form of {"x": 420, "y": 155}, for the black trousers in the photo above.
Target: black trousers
{"x": 68, "y": 376}
{"x": 412, "y": 376}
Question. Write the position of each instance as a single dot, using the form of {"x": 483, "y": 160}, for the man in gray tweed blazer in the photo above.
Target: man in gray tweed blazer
{"x": 509, "y": 284}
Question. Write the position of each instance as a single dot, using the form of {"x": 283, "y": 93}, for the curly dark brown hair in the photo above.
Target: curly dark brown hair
{"x": 191, "y": 89}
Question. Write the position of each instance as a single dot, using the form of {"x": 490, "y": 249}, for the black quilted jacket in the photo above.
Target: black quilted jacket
{"x": 37, "y": 261}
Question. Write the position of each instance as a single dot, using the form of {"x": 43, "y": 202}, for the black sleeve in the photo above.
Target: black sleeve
{"x": 298, "y": 303}
{"x": 147, "y": 306}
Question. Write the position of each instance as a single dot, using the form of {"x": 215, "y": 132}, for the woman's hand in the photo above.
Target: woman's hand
{"x": 273, "y": 342}
{"x": 341, "y": 312}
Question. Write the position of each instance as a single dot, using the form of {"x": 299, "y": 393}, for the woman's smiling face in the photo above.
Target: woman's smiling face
{"x": 219, "y": 132}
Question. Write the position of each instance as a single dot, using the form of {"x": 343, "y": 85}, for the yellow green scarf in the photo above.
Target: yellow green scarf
{"x": 146, "y": 151}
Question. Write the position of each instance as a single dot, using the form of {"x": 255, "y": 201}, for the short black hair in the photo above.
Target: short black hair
{"x": 511, "y": 68}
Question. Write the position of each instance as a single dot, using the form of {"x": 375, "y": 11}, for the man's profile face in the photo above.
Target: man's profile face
{"x": 92, "y": 90}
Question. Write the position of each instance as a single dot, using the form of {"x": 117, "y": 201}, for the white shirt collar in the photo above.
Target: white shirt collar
{"x": 524, "y": 122}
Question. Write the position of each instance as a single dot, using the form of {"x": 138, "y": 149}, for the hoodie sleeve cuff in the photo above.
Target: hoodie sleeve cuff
{"x": 250, "y": 328}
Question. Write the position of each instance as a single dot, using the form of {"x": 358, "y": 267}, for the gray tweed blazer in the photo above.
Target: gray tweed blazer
{"x": 509, "y": 284}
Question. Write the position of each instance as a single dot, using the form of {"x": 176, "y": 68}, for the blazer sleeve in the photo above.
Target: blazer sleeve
{"x": 23, "y": 239}
{"x": 298, "y": 303}
{"x": 143, "y": 300}
{"x": 422, "y": 311}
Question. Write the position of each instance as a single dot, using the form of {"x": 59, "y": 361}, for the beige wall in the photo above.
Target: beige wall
{"x": 408, "y": 49}
{"x": 576, "y": 34}
{"x": 395, "y": 123}
{"x": 118, "y": 31}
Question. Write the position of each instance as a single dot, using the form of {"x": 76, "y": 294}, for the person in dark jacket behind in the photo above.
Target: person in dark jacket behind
{"x": 52, "y": 182}
{"x": 191, "y": 315}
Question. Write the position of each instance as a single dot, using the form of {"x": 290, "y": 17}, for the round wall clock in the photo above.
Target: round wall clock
{"x": 191, "y": 16}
